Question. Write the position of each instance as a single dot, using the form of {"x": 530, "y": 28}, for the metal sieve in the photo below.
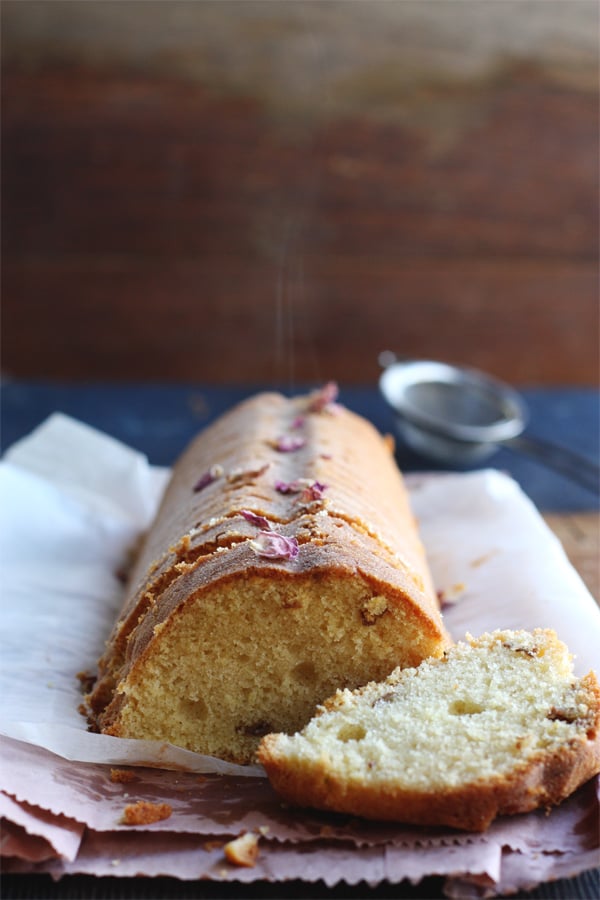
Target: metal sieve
{"x": 458, "y": 416}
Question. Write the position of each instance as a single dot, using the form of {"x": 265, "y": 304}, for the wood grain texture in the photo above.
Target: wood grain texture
{"x": 579, "y": 534}
{"x": 214, "y": 216}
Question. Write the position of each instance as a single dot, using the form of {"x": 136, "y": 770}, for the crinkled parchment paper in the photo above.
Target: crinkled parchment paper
{"x": 73, "y": 502}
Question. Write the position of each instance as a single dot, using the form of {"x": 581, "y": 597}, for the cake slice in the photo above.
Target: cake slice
{"x": 499, "y": 725}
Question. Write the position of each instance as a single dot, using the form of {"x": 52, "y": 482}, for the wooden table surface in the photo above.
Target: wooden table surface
{"x": 580, "y": 536}
{"x": 195, "y": 193}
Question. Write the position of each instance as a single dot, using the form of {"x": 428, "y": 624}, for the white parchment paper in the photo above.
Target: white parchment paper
{"x": 73, "y": 502}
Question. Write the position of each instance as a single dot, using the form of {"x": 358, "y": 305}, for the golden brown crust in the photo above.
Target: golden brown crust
{"x": 543, "y": 783}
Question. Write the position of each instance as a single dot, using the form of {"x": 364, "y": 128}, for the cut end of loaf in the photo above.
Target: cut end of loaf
{"x": 239, "y": 662}
{"x": 498, "y": 725}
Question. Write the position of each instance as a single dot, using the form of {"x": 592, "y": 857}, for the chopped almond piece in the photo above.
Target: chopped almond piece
{"x": 243, "y": 850}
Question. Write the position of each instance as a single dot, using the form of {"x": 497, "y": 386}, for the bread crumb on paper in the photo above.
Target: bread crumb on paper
{"x": 145, "y": 813}
{"x": 451, "y": 595}
{"x": 243, "y": 850}
{"x": 475, "y": 563}
{"x": 213, "y": 845}
{"x": 122, "y": 776}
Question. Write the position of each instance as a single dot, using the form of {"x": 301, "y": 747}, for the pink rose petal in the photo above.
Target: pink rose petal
{"x": 275, "y": 546}
{"x": 209, "y": 476}
{"x": 313, "y": 492}
{"x": 288, "y": 443}
{"x": 324, "y": 398}
{"x": 255, "y": 519}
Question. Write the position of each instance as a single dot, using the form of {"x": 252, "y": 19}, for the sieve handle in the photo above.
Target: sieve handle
{"x": 578, "y": 468}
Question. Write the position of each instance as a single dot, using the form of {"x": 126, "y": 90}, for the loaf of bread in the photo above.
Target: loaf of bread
{"x": 284, "y": 563}
{"x": 499, "y": 725}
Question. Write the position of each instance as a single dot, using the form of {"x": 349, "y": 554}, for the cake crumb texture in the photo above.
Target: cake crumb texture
{"x": 122, "y": 776}
{"x": 145, "y": 813}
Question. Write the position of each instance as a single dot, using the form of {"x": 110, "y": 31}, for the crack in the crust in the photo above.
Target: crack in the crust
{"x": 317, "y": 507}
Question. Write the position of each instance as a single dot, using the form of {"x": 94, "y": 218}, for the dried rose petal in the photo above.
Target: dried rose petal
{"x": 289, "y": 487}
{"x": 289, "y": 442}
{"x": 255, "y": 519}
{"x": 308, "y": 490}
{"x": 209, "y": 476}
{"x": 324, "y": 398}
{"x": 275, "y": 546}
{"x": 312, "y": 492}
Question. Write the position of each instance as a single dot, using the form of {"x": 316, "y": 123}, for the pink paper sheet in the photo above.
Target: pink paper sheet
{"x": 209, "y": 810}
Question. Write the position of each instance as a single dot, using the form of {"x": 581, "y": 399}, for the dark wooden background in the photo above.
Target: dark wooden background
{"x": 273, "y": 191}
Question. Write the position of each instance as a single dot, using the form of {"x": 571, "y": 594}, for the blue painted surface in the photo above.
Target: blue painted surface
{"x": 160, "y": 419}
